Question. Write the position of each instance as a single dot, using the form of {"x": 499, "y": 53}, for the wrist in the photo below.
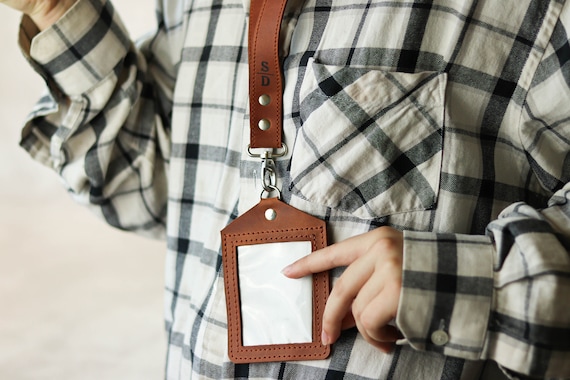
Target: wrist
{"x": 48, "y": 15}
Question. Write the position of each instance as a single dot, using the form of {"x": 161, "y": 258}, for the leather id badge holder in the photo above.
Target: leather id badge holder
{"x": 271, "y": 317}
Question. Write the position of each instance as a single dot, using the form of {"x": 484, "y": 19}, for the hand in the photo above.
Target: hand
{"x": 368, "y": 292}
{"x": 44, "y": 13}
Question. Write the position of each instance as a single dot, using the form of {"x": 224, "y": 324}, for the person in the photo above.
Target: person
{"x": 433, "y": 137}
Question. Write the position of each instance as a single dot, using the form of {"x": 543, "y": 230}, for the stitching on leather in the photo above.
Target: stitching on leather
{"x": 240, "y": 352}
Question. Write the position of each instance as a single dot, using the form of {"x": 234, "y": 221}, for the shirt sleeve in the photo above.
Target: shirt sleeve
{"x": 504, "y": 296}
{"x": 103, "y": 124}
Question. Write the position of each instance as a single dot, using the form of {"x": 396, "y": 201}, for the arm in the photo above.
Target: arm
{"x": 502, "y": 296}
{"x": 104, "y": 124}
{"x": 513, "y": 312}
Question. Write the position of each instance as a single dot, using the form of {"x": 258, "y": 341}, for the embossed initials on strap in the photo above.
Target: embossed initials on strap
{"x": 265, "y": 77}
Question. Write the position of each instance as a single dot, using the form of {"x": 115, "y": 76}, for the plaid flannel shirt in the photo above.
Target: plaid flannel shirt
{"x": 449, "y": 120}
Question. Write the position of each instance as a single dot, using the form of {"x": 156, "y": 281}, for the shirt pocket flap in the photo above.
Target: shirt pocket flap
{"x": 370, "y": 141}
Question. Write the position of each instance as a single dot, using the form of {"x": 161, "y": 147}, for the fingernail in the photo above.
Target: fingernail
{"x": 287, "y": 270}
{"x": 325, "y": 339}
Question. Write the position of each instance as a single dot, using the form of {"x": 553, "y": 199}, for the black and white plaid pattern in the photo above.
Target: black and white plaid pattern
{"x": 397, "y": 153}
{"x": 448, "y": 120}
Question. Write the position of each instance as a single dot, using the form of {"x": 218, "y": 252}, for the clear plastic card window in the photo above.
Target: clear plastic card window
{"x": 274, "y": 309}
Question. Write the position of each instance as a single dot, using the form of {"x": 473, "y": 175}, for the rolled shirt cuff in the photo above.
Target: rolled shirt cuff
{"x": 447, "y": 291}
{"x": 83, "y": 47}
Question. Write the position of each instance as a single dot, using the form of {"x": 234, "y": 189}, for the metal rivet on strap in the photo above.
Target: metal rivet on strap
{"x": 264, "y": 124}
{"x": 264, "y": 99}
{"x": 270, "y": 214}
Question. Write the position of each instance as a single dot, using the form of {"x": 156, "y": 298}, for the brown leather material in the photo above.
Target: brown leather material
{"x": 252, "y": 228}
{"x": 289, "y": 224}
{"x": 265, "y": 77}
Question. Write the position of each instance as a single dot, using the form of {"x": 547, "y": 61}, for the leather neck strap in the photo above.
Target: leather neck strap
{"x": 265, "y": 77}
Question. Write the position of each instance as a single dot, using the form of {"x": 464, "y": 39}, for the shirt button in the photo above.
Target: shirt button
{"x": 439, "y": 338}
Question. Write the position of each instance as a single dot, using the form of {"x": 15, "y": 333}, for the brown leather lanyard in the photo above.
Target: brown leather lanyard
{"x": 265, "y": 77}
{"x": 270, "y": 224}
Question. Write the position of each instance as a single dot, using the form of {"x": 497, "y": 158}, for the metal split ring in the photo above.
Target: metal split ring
{"x": 270, "y": 189}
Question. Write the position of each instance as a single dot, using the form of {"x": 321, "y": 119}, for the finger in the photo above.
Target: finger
{"x": 377, "y": 313}
{"x": 319, "y": 261}
{"x": 387, "y": 334}
{"x": 383, "y": 345}
{"x": 374, "y": 330}
{"x": 348, "y": 322}
{"x": 344, "y": 291}
{"x": 387, "y": 345}
{"x": 334, "y": 256}
{"x": 368, "y": 292}
{"x": 340, "y": 254}
{"x": 379, "y": 294}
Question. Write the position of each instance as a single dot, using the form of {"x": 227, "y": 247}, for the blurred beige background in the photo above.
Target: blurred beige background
{"x": 78, "y": 300}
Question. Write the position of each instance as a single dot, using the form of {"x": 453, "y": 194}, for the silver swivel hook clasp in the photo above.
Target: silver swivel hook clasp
{"x": 269, "y": 170}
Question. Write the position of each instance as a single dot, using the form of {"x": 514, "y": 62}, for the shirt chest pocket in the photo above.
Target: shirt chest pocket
{"x": 371, "y": 141}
